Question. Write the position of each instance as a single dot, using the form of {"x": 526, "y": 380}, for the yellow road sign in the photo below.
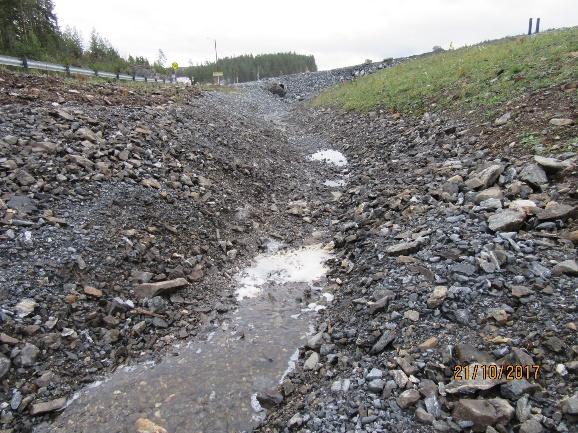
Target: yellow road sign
{"x": 175, "y": 65}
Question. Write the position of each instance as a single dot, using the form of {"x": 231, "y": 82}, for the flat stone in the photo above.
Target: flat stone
{"x": 526, "y": 206}
{"x": 43, "y": 147}
{"x": 93, "y": 291}
{"x": 491, "y": 193}
{"x": 567, "y": 267}
{"x": 507, "y": 220}
{"x": 554, "y": 211}
{"x": 521, "y": 291}
{"x": 485, "y": 178}
{"x": 466, "y": 354}
{"x": 148, "y": 290}
{"x": 561, "y": 122}
{"x": 483, "y": 413}
{"x": 408, "y": 398}
{"x": 47, "y": 406}
{"x": 151, "y": 183}
{"x": 551, "y": 165}
{"x": 403, "y": 248}
{"x": 514, "y": 389}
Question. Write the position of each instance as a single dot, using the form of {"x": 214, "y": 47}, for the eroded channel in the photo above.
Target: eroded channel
{"x": 210, "y": 386}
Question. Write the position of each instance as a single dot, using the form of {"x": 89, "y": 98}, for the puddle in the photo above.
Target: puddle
{"x": 330, "y": 156}
{"x": 334, "y": 183}
{"x": 210, "y": 386}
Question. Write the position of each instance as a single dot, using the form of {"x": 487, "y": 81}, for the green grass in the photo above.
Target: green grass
{"x": 481, "y": 76}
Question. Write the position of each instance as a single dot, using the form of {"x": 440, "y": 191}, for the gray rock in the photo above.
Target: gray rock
{"x": 29, "y": 354}
{"x": 507, "y": 220}
{"x": 311, "y": 362}
{"x": 551, "y": 165}
{"x": 567, "y": 267}
{"x": 534, "y": 175}
{"x": 483, "y": 413}
{"x": 5, "y": 364}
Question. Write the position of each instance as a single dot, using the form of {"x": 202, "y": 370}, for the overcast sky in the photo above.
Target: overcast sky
{"x": 337, "y": 32}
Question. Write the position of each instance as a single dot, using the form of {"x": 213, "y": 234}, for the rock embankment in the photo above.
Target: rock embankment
{"x": 454, "y": 248}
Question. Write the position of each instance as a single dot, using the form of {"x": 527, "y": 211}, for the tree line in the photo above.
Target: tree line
{"x": 29, "y": 28}
{"x": 249, "y": 67}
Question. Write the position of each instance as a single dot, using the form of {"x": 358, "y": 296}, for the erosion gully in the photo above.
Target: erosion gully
{"x": 210, "y": 384}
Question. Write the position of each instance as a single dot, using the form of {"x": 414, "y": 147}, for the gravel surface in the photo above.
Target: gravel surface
{"x": 454, "y": 245}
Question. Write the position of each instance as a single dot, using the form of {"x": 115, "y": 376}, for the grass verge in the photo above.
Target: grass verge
{"x": 480, "y": 76}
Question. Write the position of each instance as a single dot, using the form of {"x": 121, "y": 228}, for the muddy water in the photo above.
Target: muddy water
{"x": 210, "y": 386}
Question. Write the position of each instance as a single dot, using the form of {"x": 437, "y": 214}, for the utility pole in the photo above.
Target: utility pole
{"x": 216, "y": 57}
{"x": 530, "y": 27}
{"x": 537, "y": 25}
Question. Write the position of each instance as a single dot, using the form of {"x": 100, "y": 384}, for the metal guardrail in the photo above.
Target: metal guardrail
{"x": 69, "y": 70}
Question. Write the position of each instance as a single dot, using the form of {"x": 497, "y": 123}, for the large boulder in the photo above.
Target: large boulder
{"x": 278, "y": 89}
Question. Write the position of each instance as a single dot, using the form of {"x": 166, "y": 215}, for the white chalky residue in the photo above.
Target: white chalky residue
{"x": 297, "y": 266}
{"x": 330, "y": 156}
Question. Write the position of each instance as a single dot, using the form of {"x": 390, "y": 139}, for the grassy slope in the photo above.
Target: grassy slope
{"x": 481, "y": 76}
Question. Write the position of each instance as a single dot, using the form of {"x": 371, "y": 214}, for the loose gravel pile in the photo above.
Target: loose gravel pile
{"x": 454, "y": 247}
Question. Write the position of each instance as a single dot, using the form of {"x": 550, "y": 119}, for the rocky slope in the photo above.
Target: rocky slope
{"x": 113, "y": 196}
{"x": 455, "y": 246}
{"x": 125, "y": 211}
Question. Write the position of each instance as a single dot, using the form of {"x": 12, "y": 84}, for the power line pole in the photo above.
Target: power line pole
{"x": 216, "y": 57}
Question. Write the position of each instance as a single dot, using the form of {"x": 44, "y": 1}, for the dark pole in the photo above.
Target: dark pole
{"x": 530, "y": 27}
{"x": 537, "y": 25}
{"x": 216, "y": 57}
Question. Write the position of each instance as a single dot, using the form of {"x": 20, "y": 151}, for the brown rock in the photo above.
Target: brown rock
{"x": 437, "y": 297}
{"x": 408, "y": 398}
{"x": 554, "y": 211}
{"x": 143, "y": 425}
{"x": 149, "y": 290}
{"x": 483, "y": 413}
{"x": 567, "y": 267}
{"x": 93, "y": 291}
{"x": 151, "y": 183}
{"x": 47, "y": 406}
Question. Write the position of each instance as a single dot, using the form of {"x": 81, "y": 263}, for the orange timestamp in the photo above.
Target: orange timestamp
{"x": 495, "y": 372}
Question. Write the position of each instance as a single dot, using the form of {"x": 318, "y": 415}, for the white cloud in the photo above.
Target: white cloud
{"x": 337, "y": 32}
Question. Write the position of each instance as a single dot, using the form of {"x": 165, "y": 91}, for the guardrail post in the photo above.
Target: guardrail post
{"x": 67, "y": 68}
{"x": 530, "y": 27}
{"x": 96, "y": 73}
{"x": 133, "y": 77}
{"x": 537, "y": 25}
{"x": 146, "y": 79}
{"x": 118, "y": 75}
{"x": 25, "y": 63}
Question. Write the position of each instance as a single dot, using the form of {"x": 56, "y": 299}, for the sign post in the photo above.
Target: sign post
{"x": 175, "y": 66}
{"x": 217, "y": 78}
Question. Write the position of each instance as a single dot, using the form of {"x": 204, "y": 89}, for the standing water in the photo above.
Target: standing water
{"x": 210, "y": 386}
